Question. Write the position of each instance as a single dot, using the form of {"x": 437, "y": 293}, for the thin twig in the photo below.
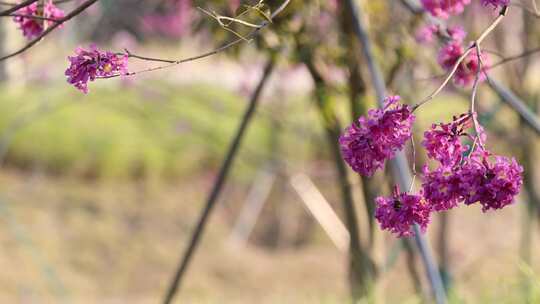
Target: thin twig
{"x": 413, "y": 163}
{"x": 218, "y": 185}
{"x": 515, "y": 57}
{"x": 68, "y": 17}
{"x": 16, "y": 7}
{"x": 223, "y": 48}
{"x": 33, "y": 17}
{"x": 6, "y": 3}
{"x": 474, "y": 92}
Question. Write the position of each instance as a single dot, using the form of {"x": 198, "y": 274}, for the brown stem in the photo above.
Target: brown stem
{"x": 360, "y": 266}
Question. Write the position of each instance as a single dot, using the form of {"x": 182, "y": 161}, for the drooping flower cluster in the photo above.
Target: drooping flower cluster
{"x": 401, "y": 211}
{"x": 370, "y": 141}
{"x": 87, "y": 65}
{"x": 492, "y": 184}
{"x": 463, "y": 174}
{"x": 33, "y": 18}
{"x": 469, "y": 178}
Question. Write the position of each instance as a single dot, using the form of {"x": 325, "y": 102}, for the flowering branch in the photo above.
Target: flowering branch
{"x": 504, "y": 93}
{"x": 399, "y": 163}
{"x": 46, "y": 32}
{"x": 473, "y": 46}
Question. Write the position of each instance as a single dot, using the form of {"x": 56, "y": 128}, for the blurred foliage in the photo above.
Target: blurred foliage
{"x": 164, "y": 131}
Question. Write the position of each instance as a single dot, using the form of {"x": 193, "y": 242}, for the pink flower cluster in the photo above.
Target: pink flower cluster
{"x": 445, "y": 8}
{"x": 87, "y": 65}
{"x": 401, "y": 211}
{"x": 461, "y": 176}
{"x": 32, "y": 18}
{"x": 468, "y": 69}
{"x": 493, "y": 184}
{"x": 426, "y": 33}
{"x": 469, "y": 178}
{"x": 495, "y": 3}
{"x": 371, "y": 140}
{"x": 453, "y": 50}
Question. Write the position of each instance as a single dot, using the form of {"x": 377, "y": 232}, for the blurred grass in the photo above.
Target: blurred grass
{"x": 163, "y": 130}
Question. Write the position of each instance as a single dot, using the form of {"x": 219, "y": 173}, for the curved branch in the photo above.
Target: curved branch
{"x": 223, "y": 48}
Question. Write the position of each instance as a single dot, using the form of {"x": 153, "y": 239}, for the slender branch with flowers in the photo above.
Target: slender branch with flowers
{"x": 472, "y": 175}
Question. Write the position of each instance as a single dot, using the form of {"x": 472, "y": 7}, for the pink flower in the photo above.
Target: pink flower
{"x": 492, "y": 184}
{"x": 467, "y": 69}
{"x": 445, "y": 8}
{"x": 400, "y": 212}
{"x": 443, "y": 141}
{"x": 370, "y": 141}
{"x": 456, "y": 33}
{"x": 90, "y": 64}
{"x": 495, "y": 3}
{"x": 442, "y": 188}
{"x": 33, "y": 27}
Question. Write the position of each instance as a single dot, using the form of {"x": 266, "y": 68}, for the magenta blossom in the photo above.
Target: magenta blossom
{"x": 445, "y": 8}
{"x": 456, "y": 33}
{"x": 426, "y": 33}
{"x": 467, "y": 69}
{"x": 492, "y": 184}
{"x": 442, "y": 188}
{"x": 33, "y": 27}
{"x": 400, "y": 212}
{"x": 443, "y": 141}
{"x": 495, "y": 3}
{"x": 370, "y": 141}
{"x": 90, "y": 64}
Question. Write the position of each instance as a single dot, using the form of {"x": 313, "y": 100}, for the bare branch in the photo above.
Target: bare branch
{"x": 221, "y": 49}
{"x": 218, "y": 185}
{"x": 517, "y": 104}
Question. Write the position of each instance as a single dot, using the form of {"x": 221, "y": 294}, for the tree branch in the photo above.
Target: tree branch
{"x": 218, "y": 185}
{"x": 517, "y": 104}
